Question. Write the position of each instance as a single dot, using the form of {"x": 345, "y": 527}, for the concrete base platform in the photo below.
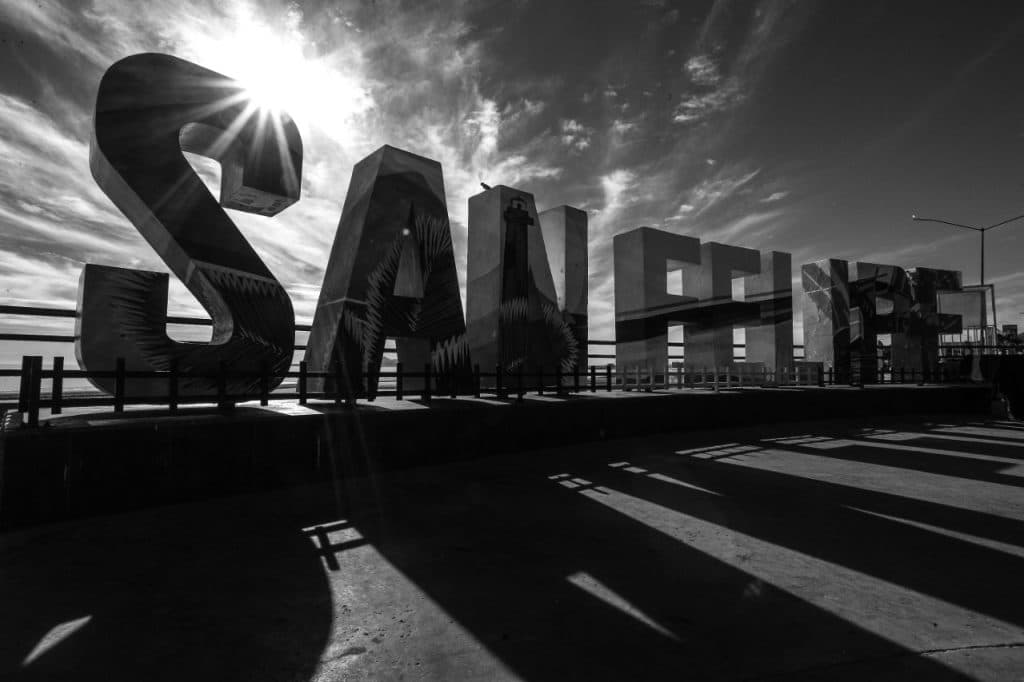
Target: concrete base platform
{"x": 849, "y": 550}
{"x": 86, "y": 464}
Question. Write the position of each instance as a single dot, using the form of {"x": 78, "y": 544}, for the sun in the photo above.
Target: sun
{"x": 273, "y": 69}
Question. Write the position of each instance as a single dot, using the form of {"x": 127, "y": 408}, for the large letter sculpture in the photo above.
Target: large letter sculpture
{"x": 920, "y": 348}
{"x": 515, "y": 317}
{"x": 708, "y": 334}
{"x": 826, "y": 307}
{"x": 880, "y": 303}
{"x": 847, "y": 306}
{"x": 565, "y": 240}
{"x": 644, "y": 309}
{"x": 770, "y": 339}
{"x": 149, "y": 108}
{"x": 391, "y": 274}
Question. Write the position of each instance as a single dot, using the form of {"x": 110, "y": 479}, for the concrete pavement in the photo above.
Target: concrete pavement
{"x": 819, "y": 550}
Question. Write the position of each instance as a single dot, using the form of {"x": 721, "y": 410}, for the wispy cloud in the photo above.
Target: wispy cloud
{"x": 746, "y": 229}
{"x": 575, "y": 135}
{"x": 725, "y": 67}
{"x": 703, "y": 70}
{"x": 774, "y": 196}
{"x": 711, "y": 192}
{"x": 699, "y": 106}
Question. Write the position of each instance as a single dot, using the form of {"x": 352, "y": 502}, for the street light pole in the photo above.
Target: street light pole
{"x": 982, "y": 273}
{"x": 982, "y": 230}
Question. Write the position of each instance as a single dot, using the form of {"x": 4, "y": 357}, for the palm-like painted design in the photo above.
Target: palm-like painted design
{"x": 391, "y": 274}
{"x": 387, "y": 314}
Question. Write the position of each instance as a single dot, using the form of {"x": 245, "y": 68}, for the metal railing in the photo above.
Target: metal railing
{"x": 349, "y": 387}
{"x": 674, "y": 347}
{"x": 31, "y": 398}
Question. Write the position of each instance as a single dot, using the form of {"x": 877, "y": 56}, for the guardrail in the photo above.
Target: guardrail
{"x": 393, "y": 382}
{"x": 465, "y": 382}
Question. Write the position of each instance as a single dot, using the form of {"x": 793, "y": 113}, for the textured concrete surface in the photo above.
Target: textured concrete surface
{"x": 808, "y": 551}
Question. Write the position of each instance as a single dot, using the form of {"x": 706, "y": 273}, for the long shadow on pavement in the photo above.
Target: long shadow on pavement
{"x": 815, "y": 517}
{"x": 560, "y": 586}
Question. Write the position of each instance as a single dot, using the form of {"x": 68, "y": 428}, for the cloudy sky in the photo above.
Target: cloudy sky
{"x": 811, "y": 127}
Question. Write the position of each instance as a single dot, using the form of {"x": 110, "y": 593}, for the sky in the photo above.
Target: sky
{"x": 816, "y": 128}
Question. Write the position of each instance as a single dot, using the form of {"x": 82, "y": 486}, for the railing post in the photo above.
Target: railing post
{"x": 426, "y": 383}
{"x": 57, "y": 390}
{"x": 399, "y": 392}
{"x": 608, "y": 378}
{"x": 355, "y": 388}
{"x": 593, "y": 378}
{"x": 119, "y": 385}
{"x": 35, "y": 388}
{"x": 372, "y": 381}
{"x": 831, "y": 377}
{"x": 303, "y": 371}
{"x": 222, "y": 386}
{"x": 264, "y": 385}
{"x": 820, "y": 370}
{"x": 23, "y": 382}
{"x": 172, "y": 386}
{"x": 339, "y": 382}
{"x": 476, "y": 381}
